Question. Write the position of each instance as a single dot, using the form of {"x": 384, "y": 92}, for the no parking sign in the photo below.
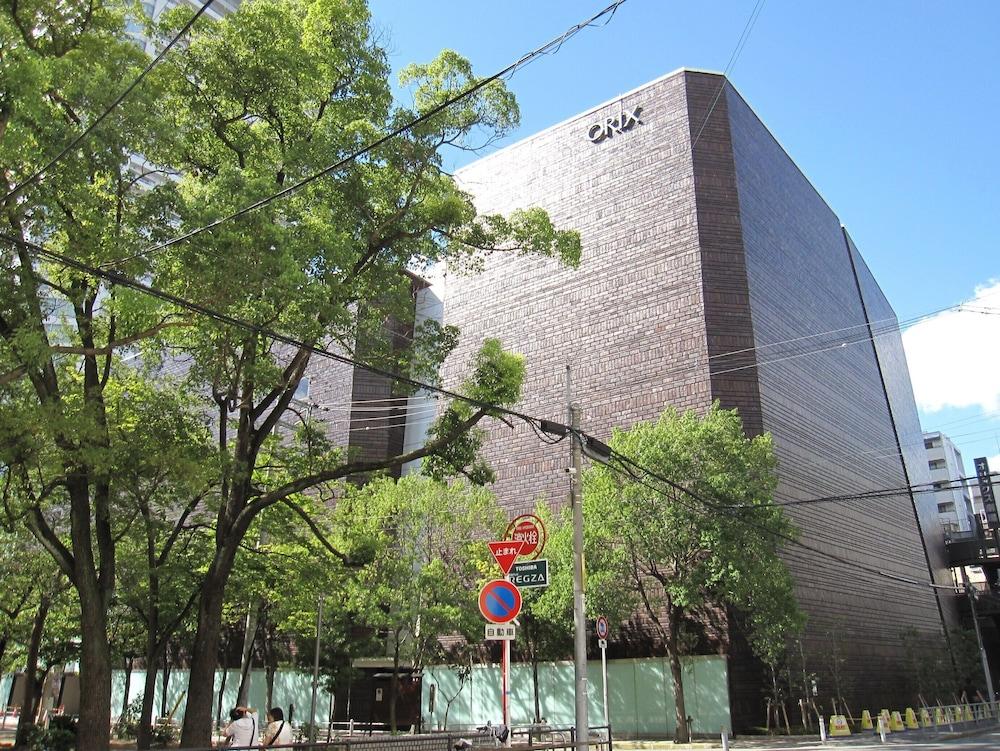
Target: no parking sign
{"x": 499, "y": 601}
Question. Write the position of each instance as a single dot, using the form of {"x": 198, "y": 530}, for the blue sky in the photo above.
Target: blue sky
{"x": 890, "y": 108}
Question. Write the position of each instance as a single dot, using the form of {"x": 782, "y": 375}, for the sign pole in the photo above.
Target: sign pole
{"x": 603, "y": 632}
{"x": 505, "y": 669}
{"x": 579, "y": 598}
{"x": 604, "y": 670}
{"x": 500, "y": 602}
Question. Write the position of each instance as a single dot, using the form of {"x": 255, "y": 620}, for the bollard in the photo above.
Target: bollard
{"x": 725, "y": 740}
{"x": 881, "y": 727}
{"x": 822, "y": 729}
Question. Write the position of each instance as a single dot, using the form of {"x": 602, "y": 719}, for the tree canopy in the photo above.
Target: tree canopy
{"x": 675, "y": 555}
{"x": 269, "y": 96}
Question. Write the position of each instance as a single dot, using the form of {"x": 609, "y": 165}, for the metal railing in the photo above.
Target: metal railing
{"x": 525, "y": 736}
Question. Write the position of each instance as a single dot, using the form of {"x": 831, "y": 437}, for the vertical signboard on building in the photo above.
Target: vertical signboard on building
{"x": 986, "y": 492}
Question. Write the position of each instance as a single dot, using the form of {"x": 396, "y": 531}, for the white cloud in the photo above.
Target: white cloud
{"x": 954, "y": 357}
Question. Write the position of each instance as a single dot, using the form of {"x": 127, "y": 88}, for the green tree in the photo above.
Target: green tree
{"x": 265, "y": 97}
{"x": 259, "y": 100}
{"x": 32, "y": 613}
{"x": 63, "y": 63}
{"x": 427, "y": 540}
{"x": 166, "y": 475}
{"x": 282, "y": 579}
{"x": 938, "y": 668}
{"x": 19, "y": 554}
{"x": 774, "y": 626}
{"x": 671, "y": 553}
{"x": 549, "y": 623}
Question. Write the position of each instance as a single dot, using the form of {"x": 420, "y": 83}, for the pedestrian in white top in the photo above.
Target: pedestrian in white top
{"x": 242, "y": 730}
{"x": 278, "y": 732}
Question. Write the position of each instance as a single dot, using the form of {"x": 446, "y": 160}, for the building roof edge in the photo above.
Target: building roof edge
{"x": 588, "y": 111}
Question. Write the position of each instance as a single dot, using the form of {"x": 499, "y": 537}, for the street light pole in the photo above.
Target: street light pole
{"x": 979, "y": 638}
{"x": 313, "y": 735}
{"x": 579, "y": 605}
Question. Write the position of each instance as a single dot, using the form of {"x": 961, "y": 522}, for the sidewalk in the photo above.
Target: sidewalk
{"x": 791, "y": 742}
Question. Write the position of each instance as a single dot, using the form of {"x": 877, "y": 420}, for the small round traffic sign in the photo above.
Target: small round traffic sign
{"x": 602, "y": 627}
{"x": 529, "y": 529}
{"x": 499, "y": 601}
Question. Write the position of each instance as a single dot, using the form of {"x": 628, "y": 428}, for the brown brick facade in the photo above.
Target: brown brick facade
{"x": 688, "y": 256}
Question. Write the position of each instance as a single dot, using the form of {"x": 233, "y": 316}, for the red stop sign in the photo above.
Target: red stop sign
{"x": 530, "y": 530}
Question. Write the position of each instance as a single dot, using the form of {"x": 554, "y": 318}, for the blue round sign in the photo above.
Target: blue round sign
{"x": 499, "y": 601}
{"x": 602, "y": 627}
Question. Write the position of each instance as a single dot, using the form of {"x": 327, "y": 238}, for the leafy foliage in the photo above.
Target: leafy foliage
{"x": 96, "y": 437}
{"x": 671, "y": 554}
{"x": 427, "y": 557}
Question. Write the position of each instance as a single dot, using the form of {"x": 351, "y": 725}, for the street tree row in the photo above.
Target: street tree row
{"x": 246, "y": 106}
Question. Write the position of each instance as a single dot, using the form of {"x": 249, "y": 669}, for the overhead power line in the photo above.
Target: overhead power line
{"x": 631, "y": 466}
{"x": 37, "y": 174}
{"x": 117, "y": 278}
{"x": 550, "y": 46}
{"x": 880, "y": 326}
{"x": 928, "y": 487}
{"x": 795, "y": 353}
{"x": 737, "y": 50}
{"x": 724, "y": 509}
{"x": 535, "y": 422}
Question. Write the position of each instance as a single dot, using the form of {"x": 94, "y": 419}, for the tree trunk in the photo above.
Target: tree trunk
{"x": 128, "y": 686}
{"x": 683, "y": 734}
{"x": 270, "y": 660}
{"x": 164, "y": 701}
{"x": 394, "y": 686}
{"x": 534, "y": 685}
{"x": 222, "y": 692}
{"x": 145, "y": 735}
{"x": 269, "y": 672}
{"x": 28, "y": 709}
{"x": 94, "y": 726}
{"x": 197, "y": 729}
{"x": 246, "y": 659}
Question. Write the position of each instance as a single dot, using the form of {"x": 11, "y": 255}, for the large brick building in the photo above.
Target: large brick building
{"x": 712, "y": 269}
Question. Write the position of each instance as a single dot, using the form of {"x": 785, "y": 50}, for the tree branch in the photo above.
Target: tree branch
{"x": 171, "y": 627}
{"x": 12, "y": 375}
{"x": 317, "y": 532}
{"x": 178, "y": 528}
{"x": 40, "y": 528}
{"x": 108, "y": 348}
{"x": 355, "y": 468}
{"x": 292, "y": 374}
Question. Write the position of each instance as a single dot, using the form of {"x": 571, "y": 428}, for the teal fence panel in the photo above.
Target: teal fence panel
{"x": 291, "y": 688}
{"x": 640, "y": 695}
{"x": 5, "y": 683}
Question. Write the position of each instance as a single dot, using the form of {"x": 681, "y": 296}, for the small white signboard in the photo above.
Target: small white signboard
{"x": 500, "y": 631}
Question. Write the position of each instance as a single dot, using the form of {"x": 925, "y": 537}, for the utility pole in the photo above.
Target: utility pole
{"x": 979, "y": 637}
{"x": 579, "y": 608}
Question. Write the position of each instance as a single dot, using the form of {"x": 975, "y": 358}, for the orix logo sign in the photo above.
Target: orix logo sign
{"x": 624, "y": 122}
